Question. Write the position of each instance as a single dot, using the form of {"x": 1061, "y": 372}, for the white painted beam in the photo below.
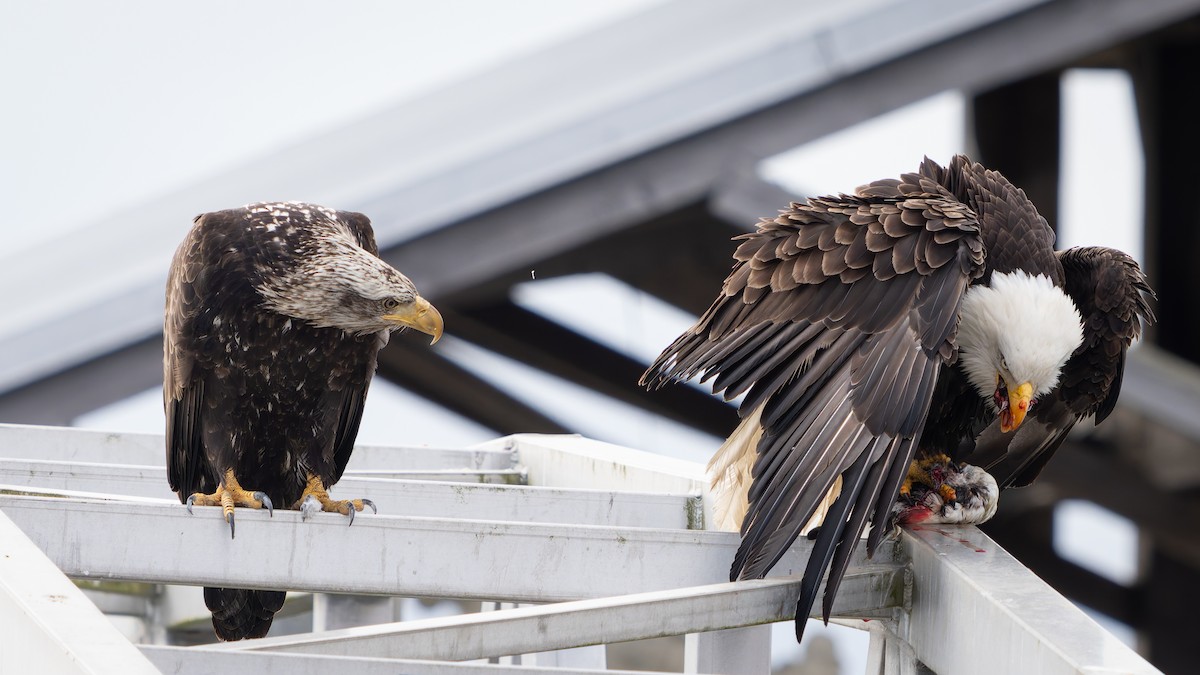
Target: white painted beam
{"x": 871, "y": 592}
{"x": 733, "y": 651}
{"x": 394, "y": 497}
{"x": 569, "y": 460}
{"x": 48, "y": 624}
{"x": 65, "y": 444}
{"x": 206, "y": 661}
{"x": 488, "y": 476}
{"x": 976, "y": 609}
{"x": 534, "y": 562}
{"x": 575, "y": 461}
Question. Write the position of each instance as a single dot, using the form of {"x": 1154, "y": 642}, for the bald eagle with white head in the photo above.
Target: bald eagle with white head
{"x": 925, "y": 318}
{"x": 275, "y": 313}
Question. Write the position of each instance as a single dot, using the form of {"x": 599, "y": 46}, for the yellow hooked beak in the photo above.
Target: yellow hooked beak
{"x": 419, "y": 315}
{"x": 1019, "y": 401}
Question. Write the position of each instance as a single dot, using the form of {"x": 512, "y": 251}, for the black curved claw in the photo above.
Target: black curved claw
{"x": 229, "y": 519}
{"x": 266, "y": 502}
{"x": 190, "y": 500}
{"x": 352, "y": 510}
{"x": 368, "y": 502}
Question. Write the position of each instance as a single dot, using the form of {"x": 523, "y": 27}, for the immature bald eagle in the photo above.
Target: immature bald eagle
{"x": 274, "y": 316}
{"x": 902, "y": 321}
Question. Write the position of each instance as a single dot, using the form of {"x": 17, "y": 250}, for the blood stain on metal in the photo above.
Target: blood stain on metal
{"x": 944, "y": 533}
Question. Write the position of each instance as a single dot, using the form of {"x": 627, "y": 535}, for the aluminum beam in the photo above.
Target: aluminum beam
{"x": 976, "y": 609}
{"x": 420, "y": 498}
{"x": 383, "y": 555}
{"x": 49, "y": 625}
{"x": 575, "y": 461}
{"x": 61, "y": 444}
{"x": 733, "y": 651}
{"x": 864, "y": 593}
{"x": 206, "y": 661}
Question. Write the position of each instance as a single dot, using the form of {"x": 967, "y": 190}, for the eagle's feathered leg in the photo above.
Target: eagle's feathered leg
{"x": 228, "y": 495}
{"x": 315, "y": 498}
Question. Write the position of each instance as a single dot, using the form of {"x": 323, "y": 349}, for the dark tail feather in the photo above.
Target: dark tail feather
{"x": 854, "y": 527}
{"x": 828, "y": 538}
{"x": 238, "y": 613}
{"x": 881, "y": 518}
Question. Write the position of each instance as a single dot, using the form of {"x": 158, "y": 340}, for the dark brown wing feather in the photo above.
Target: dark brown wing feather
{"x": 836, "y": 319}
{"x": 354, "y": 394}
{"x": 183, "y": 389}
{"x": 1113, "y": 298}
{"x": 1015, "y": 235}
{"x": 360, "y": 226}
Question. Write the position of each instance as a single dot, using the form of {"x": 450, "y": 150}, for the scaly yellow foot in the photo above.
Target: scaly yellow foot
{"x": 228, "y": 495}
{"x": 315, "y": 499}
{"x": 948, "y": 494}
{"x": 919, "y": 472}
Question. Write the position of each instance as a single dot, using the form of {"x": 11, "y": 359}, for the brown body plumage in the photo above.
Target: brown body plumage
{"x": 840, "y": 324}
{"x": 274, "y": 315}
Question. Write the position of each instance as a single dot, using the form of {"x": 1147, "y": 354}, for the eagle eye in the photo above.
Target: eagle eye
{"x": 390, "y": 303}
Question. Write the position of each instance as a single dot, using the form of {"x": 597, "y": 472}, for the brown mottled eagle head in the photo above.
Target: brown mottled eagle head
{"x": 324, "y": 276}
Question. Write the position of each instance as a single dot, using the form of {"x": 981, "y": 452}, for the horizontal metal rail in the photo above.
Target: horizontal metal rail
{"x": 864, "y": 593}
{"x": 162, "y": 543}
{"x": 393, "y": 496}
{"x": 48, "y": 625}
{"x": 488, "y": 476}
{"x": 567, "y": 460}
{"x": 976, "y": 609}
{"x": 206, "y": 661}
{"x": 935, "y": 589}
{"x": 64, "y": 444}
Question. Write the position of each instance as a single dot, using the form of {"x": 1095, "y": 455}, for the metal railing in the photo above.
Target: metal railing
{"x": 606, "y": 543}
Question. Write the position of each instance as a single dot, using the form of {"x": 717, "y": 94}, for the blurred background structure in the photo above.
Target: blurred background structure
{"x": 562, "y": 181}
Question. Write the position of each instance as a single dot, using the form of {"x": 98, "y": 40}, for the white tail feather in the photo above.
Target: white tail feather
{"x": 730, "y": 473}
{"x": 823, "y": 506}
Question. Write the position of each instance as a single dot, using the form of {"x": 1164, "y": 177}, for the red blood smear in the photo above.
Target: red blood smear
{"x": 944, "y": 533}
{"x": 914, "y": 515}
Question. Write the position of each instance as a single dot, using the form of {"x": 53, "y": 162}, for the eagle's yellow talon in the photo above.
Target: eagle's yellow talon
{"x": 316, "y": 498}
{"x": 228, "y": 495}
{"x": 948, "y": 494}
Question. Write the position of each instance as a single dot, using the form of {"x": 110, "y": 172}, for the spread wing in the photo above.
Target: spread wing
{"x": 1113, "y": 297}
{"x": 835, "y": 322}
{"x": 183, "y": 388}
